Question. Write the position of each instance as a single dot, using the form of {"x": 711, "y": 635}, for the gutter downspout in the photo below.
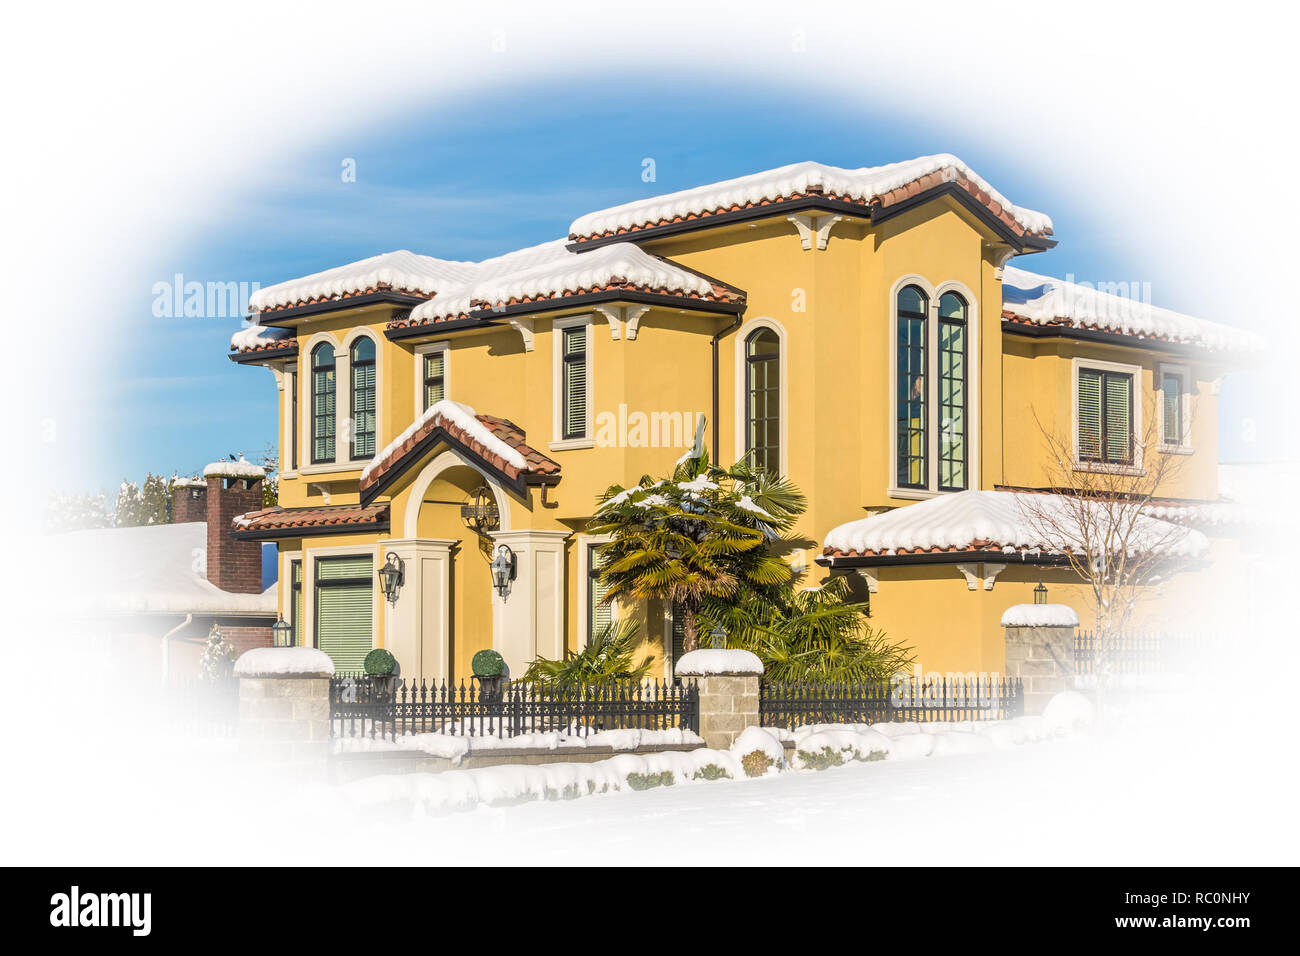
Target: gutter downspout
{"x": 166, "y": 645}
{"x": 713, "y": 344}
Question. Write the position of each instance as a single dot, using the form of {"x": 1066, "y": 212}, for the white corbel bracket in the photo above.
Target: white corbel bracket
{"x": 525, "y": 328}
{"x": 623, "y": 319}
{"x": 811, "y": 226}
{"x": 1002, "y": 259}
{"x": 614, "y": 313}
{"x": 872, "y": 577}
{"x": 980, "y": 574}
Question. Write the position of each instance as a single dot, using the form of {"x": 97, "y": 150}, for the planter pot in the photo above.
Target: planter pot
{"x": 490, "y": 686}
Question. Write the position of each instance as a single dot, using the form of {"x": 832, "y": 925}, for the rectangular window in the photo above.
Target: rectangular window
{"x": 345, "y": 610}
{"x": 1105, "y": 416}
{"x": 910, "y": 402}
{"x": 1171, "y": 407}
{"x": 322, "y": 390}
{"x": 293, "y": 425}
{"x": 763, "y": 399}
{"x": 599, "y": 613}
{"x": 573, "y": 412}
{"x": 435, "y": 377}
{"x": 678, "y": 637}
{"x": 295, "y": 601}
{"x": 363, "y": 408}
{"x": 952, "y": 405}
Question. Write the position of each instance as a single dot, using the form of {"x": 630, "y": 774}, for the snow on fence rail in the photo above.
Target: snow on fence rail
{"x": 936, "y": 699}
{"x": 362, "y": 706}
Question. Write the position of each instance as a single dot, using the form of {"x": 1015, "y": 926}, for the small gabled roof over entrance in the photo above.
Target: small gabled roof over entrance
{"x": 280, "y": 522}
{"x": 494, "y": 444}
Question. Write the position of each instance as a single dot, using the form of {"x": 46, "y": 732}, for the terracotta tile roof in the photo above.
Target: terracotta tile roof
{"x": 535, "y": 463}
{"x": 380, "y": 287}
{"x": 893, "y": 197}
{"x": 276, "y": 346}
{"x": 281, "y": 519}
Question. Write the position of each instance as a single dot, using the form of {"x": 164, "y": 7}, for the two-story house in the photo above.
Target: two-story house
{"x": 859, "y": 330}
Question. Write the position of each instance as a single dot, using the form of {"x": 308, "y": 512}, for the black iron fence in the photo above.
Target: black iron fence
{"x": 934, "y": 699}
{"x": 1137, "y": 652}
{"x": 388, "y": 707}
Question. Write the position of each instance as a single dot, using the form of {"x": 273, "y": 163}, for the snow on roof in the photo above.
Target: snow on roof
{"x": 151, "y": 569}
{"x": 1001, "y": 520}
{"x": 233, "y": 469}
{"x": 551, "y": 269}
{"x": 258, "y": 336}
{"x": 464, "y": 418}
{"x": 1040, "y": 615}
{"x": 400, "y": 270}
{"x": 860, "y": 185}
{"x": 1045, "y": 301}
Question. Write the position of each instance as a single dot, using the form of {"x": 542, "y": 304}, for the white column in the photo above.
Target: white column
{"x": 528, "y": 621}
{"x": 417, "y": 628}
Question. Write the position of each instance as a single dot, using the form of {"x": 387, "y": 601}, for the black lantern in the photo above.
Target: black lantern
{"x": 282, "y": 634}
{"x": 503, "y": 569}
{"x": 391, "y": 576}
{"x": 1040, "y": 594}
{"x": 719, "y": 637}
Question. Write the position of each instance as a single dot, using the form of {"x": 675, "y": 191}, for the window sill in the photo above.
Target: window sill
{"x": 913, "y": 494}
{"x": 1176, "y": 450}
{"x": 1132, "y": 471}
{"x": 572, "y": 444}
{"x": 332, "y": 468}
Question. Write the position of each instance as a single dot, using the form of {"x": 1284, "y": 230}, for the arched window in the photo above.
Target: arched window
{"x": 952, "y": 379}
{"x": 912, "y": 386}
{"x": 322, "y": 403}
{"x": 763, "y": 399}
{"x": 362, "y": 364}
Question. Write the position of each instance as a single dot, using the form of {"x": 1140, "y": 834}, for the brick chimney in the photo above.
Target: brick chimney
{"x": 232, "y": 490}
{"x": 189, "y": 501}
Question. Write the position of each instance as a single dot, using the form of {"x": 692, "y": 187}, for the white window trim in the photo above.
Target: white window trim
{"x": 559, "y": 443}
{"x": 740, "y": 350}
{"x": 973, "y": 380}
{"x": 306, "y": 410}
{"x": 585, "y": 542}
{"x": 1134, "y": 469}
{"x": 285, "y": 588}
{"x": 421, "y": 351}
{"x": 1184, "y": 372}
{"x": 309, "y": 558}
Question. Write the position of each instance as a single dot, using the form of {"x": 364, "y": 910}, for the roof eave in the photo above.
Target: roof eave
{"x": 259, "y": 356}
{"x": 310, "y": 531}
{"x": 282, "y": 316}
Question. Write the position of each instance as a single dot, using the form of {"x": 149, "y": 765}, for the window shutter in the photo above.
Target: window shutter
{"x": 295, "y": 601}
{"x": 1119, "y": 419}
{"x": 1173, "y": 425}
{"x": 363, "y": 410}
{"x": 345, "y": 610}
{"x": 434, "y": 390}
{"x": 601, "y": 614}
{"x": 575, "y": 382}
{"x": 679, "y": 634}
{"x": 1089, "y": 415}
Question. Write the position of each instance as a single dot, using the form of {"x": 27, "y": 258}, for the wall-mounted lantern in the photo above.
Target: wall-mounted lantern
{"x": 719, "y": 638}
{"x": 281, "y": 634}
{"x": 1040, "y": 594}
{"x": 503, "y": 569}
{"x": 480, "y": 513}
{"x": 391, "y": 576}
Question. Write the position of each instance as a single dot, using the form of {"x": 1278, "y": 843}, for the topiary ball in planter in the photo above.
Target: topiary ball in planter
{"x": 488, "y": 663}
{"x": 379, "y": 663}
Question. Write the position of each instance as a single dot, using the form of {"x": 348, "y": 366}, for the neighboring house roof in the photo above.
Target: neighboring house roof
{"x": 262, "y": 339}
{"x": 551, "y": 271}
{"x": 400, "y": 271}
{"x": 1043, "y": 301}
{"x": 880, "y": 186}
{"x": 992, "y": 523}
{"x": 156, "y": 569}
{"x": 496, "y": 443}
{"x": 277, "y": 522}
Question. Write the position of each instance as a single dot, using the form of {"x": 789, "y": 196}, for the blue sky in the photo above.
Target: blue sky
{"x": 510, "y": 169}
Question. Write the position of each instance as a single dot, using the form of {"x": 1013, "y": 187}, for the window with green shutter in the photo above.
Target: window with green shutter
{"x": 599, "y": 612}
{"x": 678, "y": 633}
{"x": 1105, "y": 416}
{"x": 295, "y": 601}
{"x": 1171, "y": 393}
{"x": 763, "y": 399}
{"x": 345, "y": 609}
{"x": 573, "y": 414}
{"x": 435, "y": 377}
{"x": 322, "y": 403}
{"x": 363, "y": 398}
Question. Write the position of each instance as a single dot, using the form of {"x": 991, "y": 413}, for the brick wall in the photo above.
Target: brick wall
{"x": 234, "y": 566}
{"x": 190, "y": 504}
{"x": 243, "y": 637}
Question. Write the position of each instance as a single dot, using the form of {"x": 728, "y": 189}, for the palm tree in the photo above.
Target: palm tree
{"x": 701, "y": 536}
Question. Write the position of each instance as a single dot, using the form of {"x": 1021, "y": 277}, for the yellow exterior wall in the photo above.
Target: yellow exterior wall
{"x": 834, "y": 307}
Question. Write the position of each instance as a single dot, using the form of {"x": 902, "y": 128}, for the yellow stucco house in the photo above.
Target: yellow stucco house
{"x": 860, "y": 330}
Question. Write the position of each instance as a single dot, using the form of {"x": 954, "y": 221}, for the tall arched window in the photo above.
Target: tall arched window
{"x": 912, "y": 386}
{"x": 763, "y": 399}
{"x": 322, "y": 403}
{"x": 952, "y": 392}
{"x": 362, "y": 364}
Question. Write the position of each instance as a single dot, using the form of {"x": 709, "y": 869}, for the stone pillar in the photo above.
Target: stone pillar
{"x": 1040, "y": 650}
{"x": 417, "y": 628}
{"x": 284, "y": 708}
{"x": 728, "y": 681}
{"x": 529, "y": 621}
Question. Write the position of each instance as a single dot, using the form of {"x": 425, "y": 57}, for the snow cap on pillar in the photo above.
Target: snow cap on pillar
{"x": 709, "y": 662}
